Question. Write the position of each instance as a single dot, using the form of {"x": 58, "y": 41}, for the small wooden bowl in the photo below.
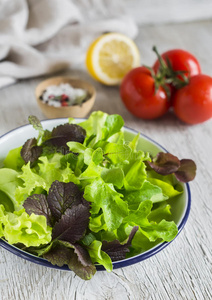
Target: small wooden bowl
{"x": 74, "y": 111}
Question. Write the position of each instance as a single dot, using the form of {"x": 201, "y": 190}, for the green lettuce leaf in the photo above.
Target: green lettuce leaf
{"x": 31, "y": 181}
{"x": 133, "y": 144}
{"x": 148, "y": 191}
{"x": 101, "y": 126}
{"x": 135, "y": 176}
{"x": 117, "y": 138}
{"x": 104, "y": 196}
{"x": 19, "y": 227}
{"x": 1, "y": 230}
{"x": 140, "y": 244}
{"x": 117, "y": 153}
{"x": 99, "y": 256}
{"x": 97, "y": 223}
{"x": 152, "y": 230}
{"x": 9, "y": 182}
{"x": 160, "y": 211}
{"x": 94, "y": 123}
{"x": 14, "y": 160}
{"x": 113, "y": 124}
{"x": 72, "y": 162}
{"x": 47, "y": 171}
{"x": 93, "y": 170}
{"x": 50, "y": 170}
{"x": 114, "y": 176}
{"x": 76, "y": 147}
{"x": 166, "y": 188}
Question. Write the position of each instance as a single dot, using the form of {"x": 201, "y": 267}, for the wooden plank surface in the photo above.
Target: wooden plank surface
{"x": 168, "y": 11}
{"x": 183, "y": 270}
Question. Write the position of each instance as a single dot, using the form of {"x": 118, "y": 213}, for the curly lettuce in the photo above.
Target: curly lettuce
{"x": 81, "y": 195}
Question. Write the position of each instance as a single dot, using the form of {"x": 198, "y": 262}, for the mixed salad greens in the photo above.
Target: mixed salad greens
{"x": 81, "y": 195}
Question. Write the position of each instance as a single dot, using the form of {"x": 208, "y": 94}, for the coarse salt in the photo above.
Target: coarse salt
{"x": 53, "y": 93}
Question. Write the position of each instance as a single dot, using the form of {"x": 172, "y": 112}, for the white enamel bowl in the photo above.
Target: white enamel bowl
{"x": 181, "y": 206}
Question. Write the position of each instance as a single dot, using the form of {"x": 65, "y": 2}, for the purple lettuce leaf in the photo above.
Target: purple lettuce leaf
{"x": 186, "y": 171}
{"x": 115, "y": 249}
{"x": 31, "y": 151}
{"x": 82, "y": 254}
{"x": 80, "y": 262}
{"x": 51, "y": 141}
{"x": 164, "y": 163}
{"x": 64, "y": 201}
{"x": 65, "y": 133}
{"x": 58, "y": 255}
{"x": 75, "y": 256}
{"x": 37, "y": 204}
{"x": 72, "y": 225}
{"x": 63, "y": 196}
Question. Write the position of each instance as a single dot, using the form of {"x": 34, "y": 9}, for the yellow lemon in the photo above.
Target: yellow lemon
{"x": 111, "y": 56}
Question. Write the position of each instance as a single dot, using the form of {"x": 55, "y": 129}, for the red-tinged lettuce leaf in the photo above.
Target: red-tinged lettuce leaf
{"x": 56, "y": 140}
{"x": 37, "y": 204}
{"x": 83, "y": 255}
{"x": 63, "y": 196}
{"x": 115, "y": 249}
{"x": 65, "y": 133}
{"x": 43, "y": 134}
{"x": 31, "y": 151}
{"x": 80, "y": 262}
{"x": 75, "y": 256}
{"x": 164, "y": 163}
{"x": 35, "y": 122}
{"x": 58, "y": 255}
{"x": 186, "y": 171}
{"x": 72, "y": 225}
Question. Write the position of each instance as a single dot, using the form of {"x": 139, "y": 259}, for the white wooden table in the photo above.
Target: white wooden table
{"x": 183, "y": 270}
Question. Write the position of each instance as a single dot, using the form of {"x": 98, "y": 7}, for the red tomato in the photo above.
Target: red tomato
{"x": 138, "y": 94}
{"x": 193, "y": 103}
{"x": 180, "y": 60}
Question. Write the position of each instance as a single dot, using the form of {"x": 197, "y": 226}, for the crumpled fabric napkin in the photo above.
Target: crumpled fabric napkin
{"x": 44, "y": 36}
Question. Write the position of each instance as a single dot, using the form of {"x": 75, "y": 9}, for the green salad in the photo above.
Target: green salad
{"x": 81, "y": 195}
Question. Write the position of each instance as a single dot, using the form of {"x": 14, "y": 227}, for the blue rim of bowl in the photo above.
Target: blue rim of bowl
{"x": 117, "y": 264}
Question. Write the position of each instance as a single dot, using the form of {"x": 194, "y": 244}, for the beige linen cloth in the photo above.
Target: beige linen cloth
{"x": 44, "y": 36}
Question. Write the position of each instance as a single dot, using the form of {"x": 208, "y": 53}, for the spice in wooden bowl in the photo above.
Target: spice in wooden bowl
{"x": 65, "y": 97}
